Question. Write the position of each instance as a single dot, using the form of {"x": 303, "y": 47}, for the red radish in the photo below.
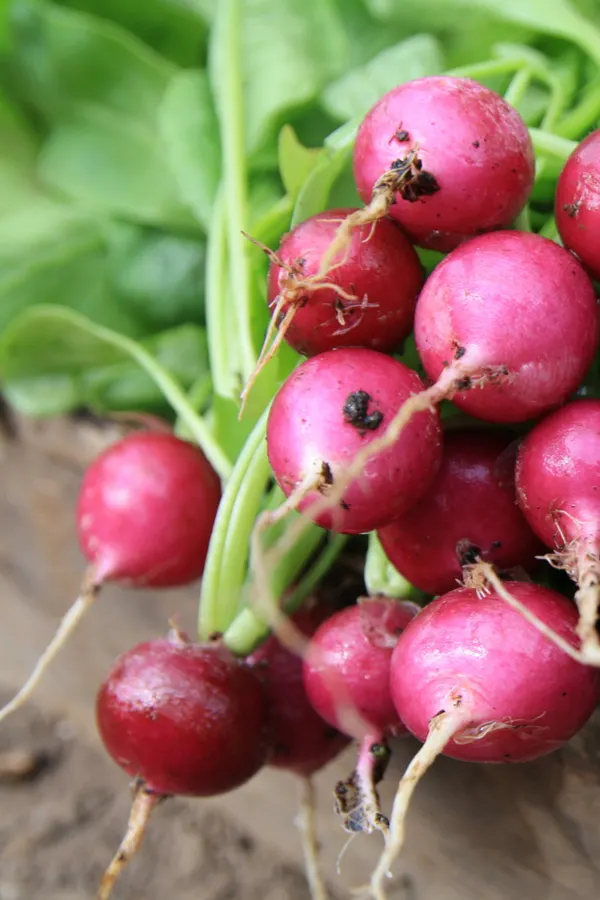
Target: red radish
{"x": 577, "y": 202}
{"x": 469, "y": 511}
{"x": 303, "y": 742}
{"x": 181, "y": 718}
{"x": 446, "y": 158}
{"x": 145, "y": 514}
{"x": 558, "y": 489}
{"x": 476, "y": 681}
{"x": 346, "y": 669}
{"x": 330, "y": 408}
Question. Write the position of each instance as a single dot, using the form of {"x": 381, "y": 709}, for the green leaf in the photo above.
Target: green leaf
{"x": 53, "y": 395}
{"x": 296, "y": 161}
{"x": 50, "y": 340}
{"x": 190, "y": 132}
{"x": 314, "y": 193}
{"x": 355, "y": 92}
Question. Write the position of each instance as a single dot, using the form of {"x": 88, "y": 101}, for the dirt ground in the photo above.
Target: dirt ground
{"x": 59, "y": 829}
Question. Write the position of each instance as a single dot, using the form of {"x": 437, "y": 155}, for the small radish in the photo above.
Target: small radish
{"x": 145, "y": 514}
{"x": 475, "y": 681}
{"x": 346, "y": 677}
{"x": 577, "y": 203}
{"x": 330, "y": 408}
{"x": 182, "y": 719}
{"x": 446, "y": 158}
{"x": 469, "y": 511}
{"x": 558, "y": 489}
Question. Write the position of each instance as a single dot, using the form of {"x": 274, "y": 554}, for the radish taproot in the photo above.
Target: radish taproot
{"x": 475, "y": 681}
{"x": 145, "y": 513}
{"x": 182, "y": 719}
{"x": 558, "y": 490}
{"x": 330, "y": 408}
{"x": 469, "y": 511}
{"x": 577, "y": 203}
{"x": 445, "y": 157}
{"x": 346, "y": 678}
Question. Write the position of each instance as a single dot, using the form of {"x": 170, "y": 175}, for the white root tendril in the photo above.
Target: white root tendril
{"x": 587, "y": 599}
{"x": 310, "y": 844}
{"x": 89, "y": 593}
{"x": 142, "y": 806}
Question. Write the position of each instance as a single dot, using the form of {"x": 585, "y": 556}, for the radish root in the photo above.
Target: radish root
{"x": 588, "y": 599}
{"x": 310, "y": 845}
{"x": 142, "y": 807}
{"x": 90, "y": 589}
{"x": 356, "y": 799}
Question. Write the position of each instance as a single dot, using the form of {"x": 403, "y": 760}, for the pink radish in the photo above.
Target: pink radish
{"x": 145, "y": 514}
{"x": 446, "y": 158}
{"x": 469, "y": 511}
{"x": 346, "y": 670}
{"x": 333, "y": 406}
{"x": 577, "y": 203}
{"x": 475, "y": 681}
{"x": 182, "y": 719}
{"x": 558, "y": 489}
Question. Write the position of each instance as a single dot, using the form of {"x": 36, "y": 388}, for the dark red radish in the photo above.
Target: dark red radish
{"x": 469, "y": 511}
{"x": 334, "y": 406}
{"x": 348, "y": 668}
{"x": 475, "y": 681}
{"x": 558, "y": 490}
{"x": 145, "y": 513}
{"x": 302, "y": 741}
{"x": 182, "y": 719}
{"x": 577, "y": 203}
{"x": 446, "y": 158}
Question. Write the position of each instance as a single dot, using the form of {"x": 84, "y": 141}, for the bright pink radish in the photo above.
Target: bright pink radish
{"x": 303, "y": 742}
{"x": 452, "y": 155}
{"x": 577, "y": 203}
{"x": 330, "y": 408}
{"x": 346, "y": 677}
{"x": 377, "y": 287}
{"x": 181, "y": 718}
{"x": 476, "y": 681}
{"x": 146, "y": 510}
{"x": 144, "y": 517}
{"x": 509, "y": 321}
{"x": 469, "y": 511}
{"x": 558, "y": 489}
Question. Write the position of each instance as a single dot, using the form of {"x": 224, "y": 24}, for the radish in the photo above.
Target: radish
{"x": 577, "y": 202}
{"x": 558, "y": 489}
{"x": 469, "y": 511}
{"x": 333, "y": 406}
{"x": 346, "y": 669}
{"x": 445, "y": 157}
{"x": 182, "y": 719}
{"x": 145, "y": 513}
{"x": 475, "y": 681}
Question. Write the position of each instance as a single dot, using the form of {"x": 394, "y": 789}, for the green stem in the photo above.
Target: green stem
{"x": 220, "y": 594}
{"x": 487, "y": 69}
{"x": 517, "y": 87}
{"x": 230, "y": 103}
{"x": 582, "y": 117}
{"x": 551, "y": 144}
{"x": 224, "y": 378}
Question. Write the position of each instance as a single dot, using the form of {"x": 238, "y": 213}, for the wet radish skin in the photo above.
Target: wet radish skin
{"x": 477, "y": 147}
{"x": 357, "y": 643}
{"x": 558, "y": 475}
{"x": 381, "y": 269}
{"x": 470, "y": 503}
{"x": 516, "y": 300}
{"x": 146, "y": 509}
{"x": 503, "y": 670}
{"x": 577, "y": 203}
{"x": 189, "y": 719}
{"x": 302, "y": 741}
{"x": 307, "y": 427}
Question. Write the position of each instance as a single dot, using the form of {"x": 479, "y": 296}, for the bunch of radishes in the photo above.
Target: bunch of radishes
{"x": 506, "y": 326}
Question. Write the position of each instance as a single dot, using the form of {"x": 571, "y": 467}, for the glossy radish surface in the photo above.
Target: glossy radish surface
{"x": 188, "y": 719}
{"x": 470, "y": 510}
{"x": 327, "y": 410}
{"x": 146, "y": 510}
{"x": 474, "y": 146}
{"x": 577, "y": 203}
{"x": 381, "y": 272}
